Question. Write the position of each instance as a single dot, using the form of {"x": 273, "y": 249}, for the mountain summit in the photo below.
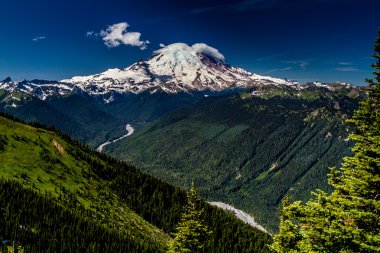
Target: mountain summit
{"x": 174, "y": 68}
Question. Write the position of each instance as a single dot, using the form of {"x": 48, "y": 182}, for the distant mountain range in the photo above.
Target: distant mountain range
{"x": 172, "y": 69}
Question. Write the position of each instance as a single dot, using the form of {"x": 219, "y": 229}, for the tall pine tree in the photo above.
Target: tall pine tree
{"x": 192, "y": 233}
{"x": 348, "y": 219}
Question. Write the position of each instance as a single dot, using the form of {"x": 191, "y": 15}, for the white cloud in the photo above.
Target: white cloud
{"x": 116, "y": 35}
{"x": 39, "y": 38}
{"x": 90, "y": 33}
{"x": 270, "y": 57}
{"x": 207, "y": 50}
{"x": 278, "y": 70}
{"x": 162, "y": 45}
{"x": 344, "y": 63}
{"x": 198, "y": 48}
{"x": 347, "y": 69}
{"x": 300, "y": 63}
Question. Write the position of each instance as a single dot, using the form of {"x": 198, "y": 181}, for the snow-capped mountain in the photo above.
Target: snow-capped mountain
{"x": 39, "y": 88}
{"x": 174, "y": 68}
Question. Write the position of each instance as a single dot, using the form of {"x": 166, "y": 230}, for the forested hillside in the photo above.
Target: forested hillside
{"x": 245, "y": 150}
{"x": 59, "y": 195}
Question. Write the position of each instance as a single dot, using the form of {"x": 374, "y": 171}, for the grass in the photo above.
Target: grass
{"x": 32, "y": 157}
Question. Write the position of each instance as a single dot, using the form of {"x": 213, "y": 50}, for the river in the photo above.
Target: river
{"x": 130, "y": 131}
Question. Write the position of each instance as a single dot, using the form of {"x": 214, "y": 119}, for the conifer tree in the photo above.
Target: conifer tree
{"x": 348, "y": 219}
{"x": 192, "y": 233}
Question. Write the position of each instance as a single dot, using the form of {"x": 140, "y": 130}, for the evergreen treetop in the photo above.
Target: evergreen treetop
{"x": 192, "y": 233}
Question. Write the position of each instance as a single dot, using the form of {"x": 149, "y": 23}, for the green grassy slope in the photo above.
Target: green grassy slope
{"x": 125, "y": 206}
{"x": 42, "y": 160}
{"x": 244, "y": 150}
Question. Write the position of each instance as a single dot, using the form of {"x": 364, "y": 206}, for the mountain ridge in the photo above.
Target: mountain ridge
{"x": 171, "y": 69}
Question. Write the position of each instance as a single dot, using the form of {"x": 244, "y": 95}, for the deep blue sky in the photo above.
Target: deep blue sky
{"x": 321, "y": 40}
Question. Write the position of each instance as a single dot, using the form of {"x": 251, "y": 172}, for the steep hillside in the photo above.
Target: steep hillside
{"x": 59, "y": 194}
{"x": 245, "y": 150}
{"x": 44, "y": 161}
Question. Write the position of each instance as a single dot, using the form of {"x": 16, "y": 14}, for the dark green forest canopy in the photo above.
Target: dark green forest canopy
{"x": 245, "y": 150}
